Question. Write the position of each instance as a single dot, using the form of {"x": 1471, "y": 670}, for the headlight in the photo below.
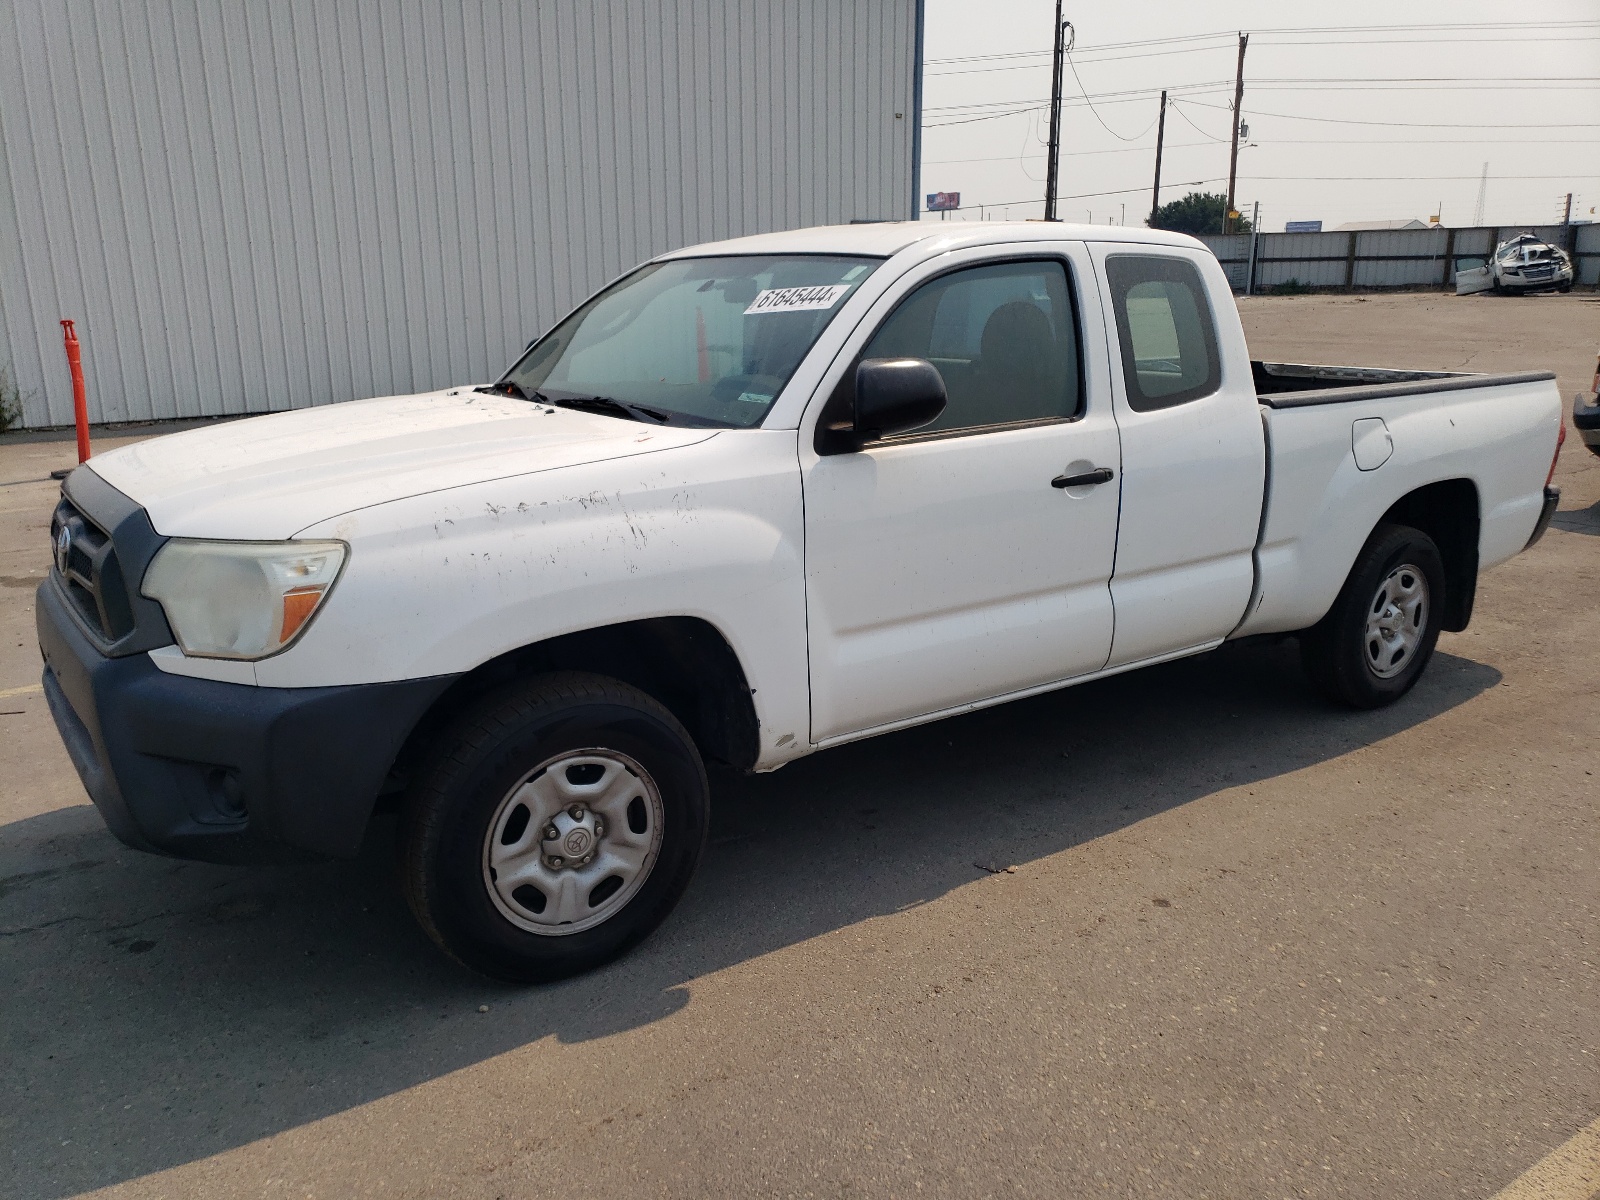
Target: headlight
{"x": 241, "y": 599}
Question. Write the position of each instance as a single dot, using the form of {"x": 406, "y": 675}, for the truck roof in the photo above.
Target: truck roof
{"x": 884, "y": 238}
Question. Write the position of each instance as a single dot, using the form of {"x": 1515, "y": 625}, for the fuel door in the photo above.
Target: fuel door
{"x": 1372, "y": 443}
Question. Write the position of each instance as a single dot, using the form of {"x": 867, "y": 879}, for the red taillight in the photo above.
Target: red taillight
{"x": 1561, "y": 440}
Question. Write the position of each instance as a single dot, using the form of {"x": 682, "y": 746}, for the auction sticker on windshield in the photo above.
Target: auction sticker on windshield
{"x": 796, "y": 299}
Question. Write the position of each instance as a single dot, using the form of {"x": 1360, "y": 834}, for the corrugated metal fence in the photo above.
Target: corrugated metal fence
{"x": 251, "y": 206}
{"x": 1386, "y": 257}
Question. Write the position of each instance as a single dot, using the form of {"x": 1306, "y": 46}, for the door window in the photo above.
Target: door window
{"x": 1169, "y": 342}
{"x": 1003, "y": 337}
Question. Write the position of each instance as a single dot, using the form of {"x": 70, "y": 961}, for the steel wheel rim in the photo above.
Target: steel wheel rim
{"x": 547, "y": 885}
{"x": 1396, "y": 620}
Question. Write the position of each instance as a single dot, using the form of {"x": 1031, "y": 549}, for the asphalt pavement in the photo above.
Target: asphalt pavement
{"x": 1189, "y": 932}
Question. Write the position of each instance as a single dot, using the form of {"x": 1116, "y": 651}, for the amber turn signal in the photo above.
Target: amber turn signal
{"x": 298, "y": 606}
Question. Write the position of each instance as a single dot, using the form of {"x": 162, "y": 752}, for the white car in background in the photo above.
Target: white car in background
{"x": 1523, "y": 264}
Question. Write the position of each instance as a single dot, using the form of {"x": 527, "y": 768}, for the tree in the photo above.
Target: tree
{"x": 1197, "y": 213}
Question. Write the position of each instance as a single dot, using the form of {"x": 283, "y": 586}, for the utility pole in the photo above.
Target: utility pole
{"x": 1483, "y": 191}
{"x": 1238, "y": 115}
{"x": 1566, "y": 215}
{"x": 1161, "y": 137}
{"x": 1052, "y": 169}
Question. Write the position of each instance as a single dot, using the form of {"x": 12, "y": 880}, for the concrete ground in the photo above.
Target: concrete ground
{"x": 1254, "y": 946}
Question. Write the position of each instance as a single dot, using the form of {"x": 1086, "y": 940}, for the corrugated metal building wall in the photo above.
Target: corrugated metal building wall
{"x": 250, "y": 206}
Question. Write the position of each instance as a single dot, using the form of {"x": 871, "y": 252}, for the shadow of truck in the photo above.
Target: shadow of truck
{"x": 158, "y": 1011}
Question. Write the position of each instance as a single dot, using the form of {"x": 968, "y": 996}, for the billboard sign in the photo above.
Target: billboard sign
{"x": 1302, "y": 227}
{"x": 943, "y": 201}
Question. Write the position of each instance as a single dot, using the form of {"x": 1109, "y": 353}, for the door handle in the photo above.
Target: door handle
{"x": 1098, "y": 475}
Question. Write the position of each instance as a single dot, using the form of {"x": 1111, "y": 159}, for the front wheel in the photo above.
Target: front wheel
{"x": 1380, "y": 633}
{"x": 556, "y": 824}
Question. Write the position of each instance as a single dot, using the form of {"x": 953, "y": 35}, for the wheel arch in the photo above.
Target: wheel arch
{"x": 683, "y": 662}
{"x": 1449, "y": 512}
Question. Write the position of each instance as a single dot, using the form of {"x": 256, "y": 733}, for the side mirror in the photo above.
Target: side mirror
{"x": 896, "y": 395}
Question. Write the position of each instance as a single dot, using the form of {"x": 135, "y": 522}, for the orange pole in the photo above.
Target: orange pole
{"x": 80, "y": 398}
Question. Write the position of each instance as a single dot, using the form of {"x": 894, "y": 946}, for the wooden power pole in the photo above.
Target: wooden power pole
{"x": 1161, "y": 137}
{"x": 1052, "y": 168}
{"x": 1238, "y": 115}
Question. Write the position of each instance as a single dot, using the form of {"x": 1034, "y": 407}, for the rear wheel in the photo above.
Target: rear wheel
{"x": 1380, "y": 633}
{"x": 555, "y": 826}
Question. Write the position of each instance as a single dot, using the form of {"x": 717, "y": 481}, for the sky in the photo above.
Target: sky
{"x": 1357, "y": 111}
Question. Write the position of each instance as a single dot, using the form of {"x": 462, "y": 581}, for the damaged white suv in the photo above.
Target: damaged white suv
{"x": 1519, "y": 266}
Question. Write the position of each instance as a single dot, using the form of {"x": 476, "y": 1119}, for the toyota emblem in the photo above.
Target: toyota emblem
{"x": 63, "y": 548}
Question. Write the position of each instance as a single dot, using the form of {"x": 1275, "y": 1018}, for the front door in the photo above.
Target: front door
{"x": 947, "y": 567}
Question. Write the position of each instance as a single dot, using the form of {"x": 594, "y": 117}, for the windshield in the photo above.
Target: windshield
{"x": 701, "y": 341}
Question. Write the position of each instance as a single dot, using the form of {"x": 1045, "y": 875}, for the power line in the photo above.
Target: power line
{"x": 1385, "y": 30}
{"x": 1196, "y": 128}
{"x": 1336, "y": 83}
{"x": 1097, "y": 116}
{"x": 1396, "y": 178}
{"x": 1432, "y": 79}
{"x": 1408, "y": 124}
{"x": 1087, "y": 60}
{"x": 1081, "y": 195}
{"x": 980, "y": 104}
{"x": 1422, "y": 85}
{"x": 968, "y": 114}
{"x": 985, "y": 117}
{"x": 1563, "y": 142}
{"x": 1215, "y": 84}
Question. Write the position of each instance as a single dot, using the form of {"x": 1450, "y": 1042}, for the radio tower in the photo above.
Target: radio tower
{"x": 1483, "y": 191}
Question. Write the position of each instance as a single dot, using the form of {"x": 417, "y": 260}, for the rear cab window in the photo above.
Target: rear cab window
{"x": 1165, "y": 327}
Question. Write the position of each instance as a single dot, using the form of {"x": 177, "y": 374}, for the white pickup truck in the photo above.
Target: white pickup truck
{"x": 752, "y": 500}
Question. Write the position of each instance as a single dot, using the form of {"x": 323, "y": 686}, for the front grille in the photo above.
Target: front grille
{"x": 87, "y": 566}
{"x": 101, "y": 545}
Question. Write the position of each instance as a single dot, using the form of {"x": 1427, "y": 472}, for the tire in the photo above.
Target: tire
{"x": 491, "y": 887}
{"x": 1380, "y": 633}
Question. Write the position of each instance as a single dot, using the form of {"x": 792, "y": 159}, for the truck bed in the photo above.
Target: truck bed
{"x": 1296, "y": 385}
{"x": 1482, "y": 441}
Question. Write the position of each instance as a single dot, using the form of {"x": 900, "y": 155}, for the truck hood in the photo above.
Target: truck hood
{"x": 270, "y": 477}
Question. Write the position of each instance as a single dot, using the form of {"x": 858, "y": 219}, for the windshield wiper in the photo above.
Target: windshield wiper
{"x": 612, "y": 408}
{"x": 599, "y": 404}
{"x": 510, "y": 387}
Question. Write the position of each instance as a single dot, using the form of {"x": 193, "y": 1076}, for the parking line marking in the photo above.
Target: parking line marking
{"x": 1569, "y": 1172}
{"x": 39, "y": 687}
